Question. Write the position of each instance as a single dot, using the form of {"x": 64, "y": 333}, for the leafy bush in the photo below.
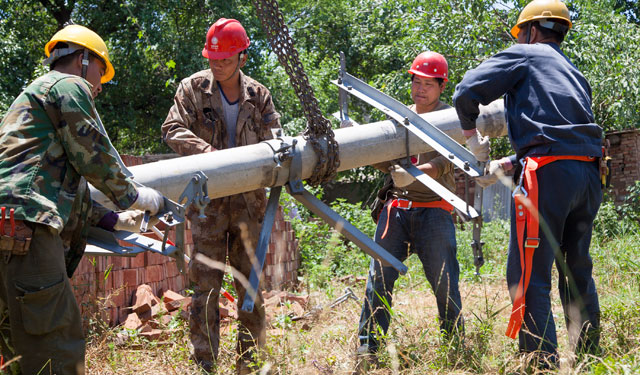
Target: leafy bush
{"x": 617, "y": 221}
{"x": 325, "y": 254}
{"x": 630, "y": 209}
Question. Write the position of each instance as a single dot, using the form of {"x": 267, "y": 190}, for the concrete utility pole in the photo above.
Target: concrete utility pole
{"x": 247, "y": 168}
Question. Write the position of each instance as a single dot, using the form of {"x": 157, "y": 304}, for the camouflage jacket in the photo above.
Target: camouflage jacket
{"x": 196, "y": 123}
{"x": 49, "y": 140}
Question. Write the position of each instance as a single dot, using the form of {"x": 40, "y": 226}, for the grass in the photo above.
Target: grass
{"x": 326, "y": 344}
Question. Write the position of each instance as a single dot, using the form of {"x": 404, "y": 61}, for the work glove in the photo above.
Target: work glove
{"x": 496, "y": 171}
{"x": 479, "y": 145}
{"x": 148, "y": 200}
{"x": 401, "y": 178}
{"x": 130, "y": 221}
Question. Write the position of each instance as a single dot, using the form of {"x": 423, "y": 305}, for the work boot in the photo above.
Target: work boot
{"x": 244, "y": 367}
{"x": 205, "y": 366}
{"x": 365, "y": 360}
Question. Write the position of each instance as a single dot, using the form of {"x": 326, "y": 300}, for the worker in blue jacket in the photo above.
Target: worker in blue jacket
{"x": 557, "y": 144}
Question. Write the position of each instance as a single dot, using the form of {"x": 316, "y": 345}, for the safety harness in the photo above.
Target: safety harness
{"x": 406, "y": 204}
{"x": 527, "y": 216}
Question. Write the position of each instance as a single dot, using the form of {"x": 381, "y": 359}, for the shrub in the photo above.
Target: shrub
{"x": 326, "y": 254}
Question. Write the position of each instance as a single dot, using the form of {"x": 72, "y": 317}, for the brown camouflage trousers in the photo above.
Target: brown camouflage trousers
{"x": 228, "y": 231}
{"x": 39, "y": 316}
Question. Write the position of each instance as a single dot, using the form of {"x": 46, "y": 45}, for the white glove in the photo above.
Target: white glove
{"x": 148, "y": 200}
{"x": 401, "y": 178}
{"x": 479, "y": 145}
{"x": 496, "y": 171}
{"x": 130, "y": 221}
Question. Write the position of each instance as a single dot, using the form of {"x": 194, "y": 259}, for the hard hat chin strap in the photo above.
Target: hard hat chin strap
{"x": 85, "y": 63}
{"x": 529, "y": 32}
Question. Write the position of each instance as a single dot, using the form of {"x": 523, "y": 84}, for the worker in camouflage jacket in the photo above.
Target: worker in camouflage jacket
{"x": 51, "y": 144}
{"x": 215, "y": 109}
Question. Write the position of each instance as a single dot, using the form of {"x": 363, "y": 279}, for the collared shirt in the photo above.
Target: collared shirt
{"x": 49, "y": 140}
{"x": 547, "y": 100}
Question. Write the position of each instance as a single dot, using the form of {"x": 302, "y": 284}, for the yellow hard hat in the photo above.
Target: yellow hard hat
{"x": 541, "y": 10}
{"x": 86, "y": 38}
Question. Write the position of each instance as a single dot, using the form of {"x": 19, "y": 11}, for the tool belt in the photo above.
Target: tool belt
{"x": 405, "y": 204}
{"x": 15, "y": 235}
{"x": 525, "y": 197}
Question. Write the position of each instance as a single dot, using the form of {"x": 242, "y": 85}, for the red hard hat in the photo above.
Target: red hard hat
{"x": 430, "y": 65}
{"x": 225, "y": 38}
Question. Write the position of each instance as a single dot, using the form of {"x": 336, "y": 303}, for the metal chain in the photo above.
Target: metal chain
{"x": 317, "y": 125}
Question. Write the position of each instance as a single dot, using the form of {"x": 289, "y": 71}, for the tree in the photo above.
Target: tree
{"x": 154, "y": 44}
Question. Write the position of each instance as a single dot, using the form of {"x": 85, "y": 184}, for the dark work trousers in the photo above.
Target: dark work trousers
{"x": 569, "y": 197}
{"x": 430, "y": 233}
{"x": 39, "y": 316}
{"x": 228, "y": 232}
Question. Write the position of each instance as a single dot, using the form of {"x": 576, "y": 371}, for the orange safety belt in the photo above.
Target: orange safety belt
{"x": 407, "y": 204}
{"x": 527, "y": 215}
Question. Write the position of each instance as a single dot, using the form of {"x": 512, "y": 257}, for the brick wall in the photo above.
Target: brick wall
{"x": 106, "y": 284}
{"x": 625, "y": 161}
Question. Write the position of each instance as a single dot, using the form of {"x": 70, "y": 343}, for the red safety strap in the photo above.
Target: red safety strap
{"x": 407, "y": 204}
{"x": 527, "y": 216}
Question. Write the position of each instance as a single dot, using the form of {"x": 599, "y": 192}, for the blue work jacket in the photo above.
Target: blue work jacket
{"x": 547, "y": 100}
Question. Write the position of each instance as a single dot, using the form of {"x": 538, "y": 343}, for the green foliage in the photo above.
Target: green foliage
{"x": 630, "y": 209}
{"x": 615, "y": 221}
{"x": 324, "y": 253}
{"x": 155, "y": 44}
{"x": 494, "y": 249}
{"x": 603, "y": 45}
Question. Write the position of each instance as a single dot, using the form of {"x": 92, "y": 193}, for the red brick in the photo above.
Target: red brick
{"x": 118, "y": 298}
{"x": 153, "y": 273}
{"x": 172, "y": 269}
{"x": 118, "y": 278}
{"x": 162, "y": 286}
{"x": 138, "y": 261}
{"x": 154, "y": 259}
{"x": 130, "y": 277}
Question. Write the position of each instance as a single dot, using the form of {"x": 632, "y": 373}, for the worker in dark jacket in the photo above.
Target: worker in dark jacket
{"x": 552, "y": 130}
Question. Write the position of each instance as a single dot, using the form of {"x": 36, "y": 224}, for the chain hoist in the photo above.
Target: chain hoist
{"x": 317, "y": 125}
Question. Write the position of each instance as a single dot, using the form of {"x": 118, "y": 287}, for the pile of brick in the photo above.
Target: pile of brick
{"x": 283, "y": 303}
{"x": 151, "y": 315}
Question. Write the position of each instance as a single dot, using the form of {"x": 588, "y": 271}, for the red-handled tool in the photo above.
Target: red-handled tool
{"x": 227, "y": 295}
{"x": 4, "y": 209}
